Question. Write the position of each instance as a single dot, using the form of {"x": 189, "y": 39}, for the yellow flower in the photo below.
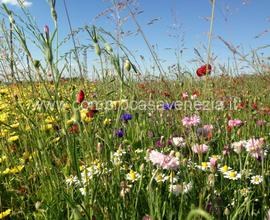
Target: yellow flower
{"x": 3, "y": 117}
{"x": 17, "y": 169}
{"x": 67, "y": 106}
{"x": 56, "y": 140}
{"x": 87, "y": 119}
{"x": 27, "y": 128}
{"x": 16, "y": 125}
{"x": 119, "y": 103}
{"x": 4, "y": 91}
{"x": 3, "y": 106}
{"x": 50, "y": 120}
{"x": 5, "y": 213}
{"x": 107, "y": 121}
{"x": 3, "y": 158}
{"x": 70, "y": 121}
{"x": 47, "y": 127}
{"x": 83, "y": 113}
{"x": 13, "y": 139}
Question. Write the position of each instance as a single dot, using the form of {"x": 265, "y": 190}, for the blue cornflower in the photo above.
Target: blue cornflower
{"x": 168, "y": 106}
{"x": 120, "y": 133}
{"x": 126, "y": 117}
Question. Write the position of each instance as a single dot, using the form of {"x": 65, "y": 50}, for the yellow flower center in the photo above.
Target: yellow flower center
{"x": 159, "y": 178}
{"x": 132, "y": 175}
{"x": 225, "y": 168}
{"x": 232, "y": 174}
{"x": 204, "y": 164}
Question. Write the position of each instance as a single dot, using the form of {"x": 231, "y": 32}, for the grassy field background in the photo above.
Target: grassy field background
{"x": 177, "y": 144}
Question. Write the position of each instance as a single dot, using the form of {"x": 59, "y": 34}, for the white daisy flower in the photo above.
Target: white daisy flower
{"x": 72, "y": 180}
{"x": 133, "y": 176}
{"x": 232, "y": 175}
{"x": 204, "y": 166}
{"x": 178, "y": 141}
{"x": 224, "y": 169}
{"x": 160, "y": 177}
{"x": 176, "y": 189}
{"x": 256, "y": 179}
{"x": 187, "y": 187}
{"x": 83, "y": 191}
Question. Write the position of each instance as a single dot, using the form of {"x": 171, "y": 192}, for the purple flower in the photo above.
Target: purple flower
{"x": 160, "y": 142}
{"x": 126, "y": 117}
{"x": 120, "y": 133}
{"x": 168, "y": 106}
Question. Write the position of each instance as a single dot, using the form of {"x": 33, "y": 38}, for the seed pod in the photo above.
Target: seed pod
{"x": 97, "y": 49}
{"x": 127, "y": 65}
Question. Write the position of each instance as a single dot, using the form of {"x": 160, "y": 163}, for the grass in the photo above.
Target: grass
{"x": 72, "y": 148}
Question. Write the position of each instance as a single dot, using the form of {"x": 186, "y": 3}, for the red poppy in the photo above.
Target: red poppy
{"x": 241, "y": 105}
{"x": 166, "y": 94}
{"x": 74, "y": 129}
{"x": 80, "y": 96}
{"x": 254, "y": 106}
{"x": 204, "y": 70}
{"x": 91, "y": 112}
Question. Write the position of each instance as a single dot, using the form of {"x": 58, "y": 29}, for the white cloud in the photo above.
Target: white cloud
{"x": 16, "y": 2}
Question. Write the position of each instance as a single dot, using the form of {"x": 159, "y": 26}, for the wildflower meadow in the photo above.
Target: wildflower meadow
{"x": 89, "y": 129}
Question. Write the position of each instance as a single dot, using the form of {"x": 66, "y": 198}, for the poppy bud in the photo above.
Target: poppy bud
{"x": 127, "y": 65}
{"x": 80, "y": 97}
{"x": 36, "y": 64}
{"x": 47, "y": 31}
{"x": 97, "y": 49}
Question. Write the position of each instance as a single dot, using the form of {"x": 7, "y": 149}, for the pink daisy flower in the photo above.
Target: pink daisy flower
{"x": 200, "y": 148}
{"x": 167, "y": 162}
{"x": 234, "y": 123}
{"x": 191, "y": 121}
{"x": 208, "y": 127}
{"x": 255, "y": 147}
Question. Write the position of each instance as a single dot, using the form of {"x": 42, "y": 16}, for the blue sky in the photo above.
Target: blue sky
{"x": 239, "y": 24}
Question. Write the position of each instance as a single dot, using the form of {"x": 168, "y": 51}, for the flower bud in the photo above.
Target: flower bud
{"x": 99, "y": 147}
{"x": 47, "y": 31}
{"x": 227, "y": 211}
{"x": 80, "y": 97}
{"x": 36, "y": 64}
{"x": 141, "y": 167}
{"x": 97, "y": 49}
{"x": 127, "y": 65}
